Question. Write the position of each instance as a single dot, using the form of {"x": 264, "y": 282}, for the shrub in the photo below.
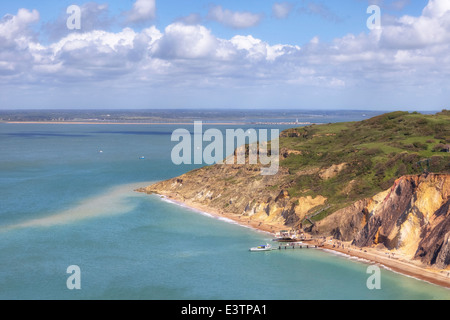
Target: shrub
{"x": 438, "y": 148}
{"x": 372, "y": 151}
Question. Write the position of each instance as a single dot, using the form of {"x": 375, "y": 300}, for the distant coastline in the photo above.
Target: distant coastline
{"x": 122, "y": 123}
{"x": 182, "y": 116}
{"x": 161, "y": 123}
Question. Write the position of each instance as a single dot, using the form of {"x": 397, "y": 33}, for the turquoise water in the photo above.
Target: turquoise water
{"x": 63, "y": 203}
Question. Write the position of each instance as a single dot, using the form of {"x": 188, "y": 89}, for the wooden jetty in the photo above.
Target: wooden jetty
{"x": 294, "y": 246}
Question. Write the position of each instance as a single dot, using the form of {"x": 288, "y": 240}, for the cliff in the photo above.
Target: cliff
{"x": 412, "y": 218}
{"x": 242, "y": 192}
{"x": 368, "y": 182}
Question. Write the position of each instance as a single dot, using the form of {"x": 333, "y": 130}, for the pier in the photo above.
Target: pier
{"x": 293, "y": 246}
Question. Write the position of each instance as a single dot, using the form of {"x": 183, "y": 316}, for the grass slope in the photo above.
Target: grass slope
{"x": 377, "y": 151}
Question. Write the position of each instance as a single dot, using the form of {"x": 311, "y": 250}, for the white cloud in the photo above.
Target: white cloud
{"x": 281, "y": 10}
{"x": 13, "y": 27}
{"x": 431, "y": 28}
{"x": 411, "y": 52}
{"x": 258, "y": 50}
{"x": 234, "y": 19}
{"x": 16, "y": 38}
{"x": 186, "y": 42}
{"x": 437, "y": 8}
{"x": 143, "y": 10}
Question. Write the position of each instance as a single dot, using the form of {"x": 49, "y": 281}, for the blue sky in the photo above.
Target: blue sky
{"x": 225, "y": 54}
{"x": 344, "y": 16}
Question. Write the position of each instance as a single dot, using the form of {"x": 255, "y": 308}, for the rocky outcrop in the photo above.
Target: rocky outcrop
{"x": 344, "y": 224}
{"x": 332, "y": 171}
{"x": 411, "y": 217}
{"x": 434, "y": 247}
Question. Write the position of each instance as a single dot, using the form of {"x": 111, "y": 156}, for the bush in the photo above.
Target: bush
{"x": 420, "y": 145}
{"x": 438, "y": 148}
{"x": 372, "y": 151}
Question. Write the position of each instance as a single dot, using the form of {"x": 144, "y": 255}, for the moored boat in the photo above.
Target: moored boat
{"x": 266, "y": 247}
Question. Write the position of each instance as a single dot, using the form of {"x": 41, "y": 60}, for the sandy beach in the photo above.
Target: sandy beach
{"x": 271, "y": 229}
{"x": 393, "y": 261}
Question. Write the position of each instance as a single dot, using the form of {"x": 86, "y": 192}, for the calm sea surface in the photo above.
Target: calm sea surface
{"x": 66, "y": 198}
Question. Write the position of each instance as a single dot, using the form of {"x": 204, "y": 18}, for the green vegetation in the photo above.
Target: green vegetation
{"x": 377, "y": 151}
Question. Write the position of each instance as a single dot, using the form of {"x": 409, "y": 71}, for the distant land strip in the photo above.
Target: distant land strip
{"x": 158, "y": 123}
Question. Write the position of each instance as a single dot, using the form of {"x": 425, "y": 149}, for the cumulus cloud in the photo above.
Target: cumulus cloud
{"x": 257, "y": 50}
{"x": 16, "y": 26}
{"x": 437, "y": 8}
{"x": 431, "y": 28}
{"x": 16, "y": 38}
{"x": 186, "y": 42}
{"x": 234, "y": 19}
{"x": 143, "y": 10}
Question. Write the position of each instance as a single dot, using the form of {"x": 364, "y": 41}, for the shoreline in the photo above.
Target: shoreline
{"x": 245, "y": 222}
{"x": 405, "y": 268}
{"x": 384, "y": 258}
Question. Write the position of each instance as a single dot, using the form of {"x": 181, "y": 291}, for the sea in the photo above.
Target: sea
{"x": 67, "y": 198}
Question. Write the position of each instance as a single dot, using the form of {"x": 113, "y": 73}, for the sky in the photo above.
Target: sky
{"x": 247, "y": 54}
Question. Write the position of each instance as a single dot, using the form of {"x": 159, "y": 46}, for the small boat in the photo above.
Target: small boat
{"x": 267, "y": 247}
{"x": 142, "y": 158}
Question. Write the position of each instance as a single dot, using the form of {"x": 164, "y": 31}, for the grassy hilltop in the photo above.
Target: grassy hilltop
{"x": 373, "y": 154}
{"x": 323, "y": 168}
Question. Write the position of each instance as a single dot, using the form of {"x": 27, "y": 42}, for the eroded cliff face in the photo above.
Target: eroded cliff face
{"x": 412, "y": 217}
{"x": 243, "y": 191}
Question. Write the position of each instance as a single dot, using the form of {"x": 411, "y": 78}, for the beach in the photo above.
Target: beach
{"x": 393, "y": 261}
{"x": 271, "y": 229}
